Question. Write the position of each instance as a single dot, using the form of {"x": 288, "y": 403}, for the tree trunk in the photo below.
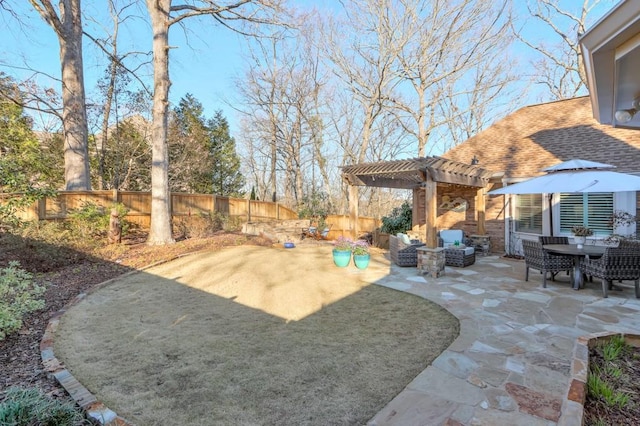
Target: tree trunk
{"x": 68, "y": 28}
{"x": 160, "y": 228}
{"x": 74, "y": 113}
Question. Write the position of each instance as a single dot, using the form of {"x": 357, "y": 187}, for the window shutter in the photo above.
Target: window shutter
{"x": 528, "y": 213}
{"x": 592, "y": 210}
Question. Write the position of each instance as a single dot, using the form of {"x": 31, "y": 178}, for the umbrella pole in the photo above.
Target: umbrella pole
{"x": 551, "y": 213}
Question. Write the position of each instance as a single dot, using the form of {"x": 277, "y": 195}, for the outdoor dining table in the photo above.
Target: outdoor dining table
{"x": 577, "y": 253}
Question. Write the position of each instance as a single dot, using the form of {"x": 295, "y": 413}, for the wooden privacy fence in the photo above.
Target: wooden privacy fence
{"x": 139, "y": 205}
{"x": 340, "y": 225}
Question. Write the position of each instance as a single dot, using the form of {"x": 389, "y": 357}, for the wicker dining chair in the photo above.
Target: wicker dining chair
{"x": 554, "y": 239}
{"x": 536, "y": 258}
{"x": 617, "y": 263}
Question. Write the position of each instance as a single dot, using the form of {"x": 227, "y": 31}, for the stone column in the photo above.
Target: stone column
{"x": 431, "y": 261}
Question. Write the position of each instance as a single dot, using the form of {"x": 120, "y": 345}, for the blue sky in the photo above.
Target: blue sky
{"x": 206, "y": 66}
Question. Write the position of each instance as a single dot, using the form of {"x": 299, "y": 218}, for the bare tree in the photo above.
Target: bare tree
{"x": 560, "y": 67}
{"x": 164, "y": 14}
{"x": 365, "y": 62}
{"x": 115, "y": 94}
{"x": 448, "y": 53}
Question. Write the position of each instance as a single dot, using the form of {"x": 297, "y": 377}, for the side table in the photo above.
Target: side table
{"x": 482, "y": 244}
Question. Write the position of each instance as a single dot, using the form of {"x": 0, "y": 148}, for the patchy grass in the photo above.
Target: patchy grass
{"x": 222, "y": 338}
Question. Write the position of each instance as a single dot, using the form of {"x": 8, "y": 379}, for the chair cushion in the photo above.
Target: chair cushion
{"x": 450, "y": 236}
{"x": 404, "y": 238}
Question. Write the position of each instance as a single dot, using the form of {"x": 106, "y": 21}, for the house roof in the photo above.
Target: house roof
{"x": 412, "y": 172}
{"x": 539, "y": 136}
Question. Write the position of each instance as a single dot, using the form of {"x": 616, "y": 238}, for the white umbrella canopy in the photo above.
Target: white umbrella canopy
{"x": 575, "y": 176}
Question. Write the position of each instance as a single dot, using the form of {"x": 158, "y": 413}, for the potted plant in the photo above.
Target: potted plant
{"x": 361, "y": 255}
{"x": 581, "y": 233}
{"x": 342, "y": 247}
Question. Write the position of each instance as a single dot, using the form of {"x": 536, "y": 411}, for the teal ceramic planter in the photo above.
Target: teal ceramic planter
{"x": 341, "y": 258}
{"x": 361, "y": 260}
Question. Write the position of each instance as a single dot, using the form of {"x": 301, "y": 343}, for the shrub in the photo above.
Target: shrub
{"x": 316, "y": 208}
{"x": 18, "y": 296}
{"x": 31, "y": 407}
{"x": 399, "y": 220}
{"x": 47, "y": 231}
{"x": 206, "y": 224}
{"x": 92, "y": 220}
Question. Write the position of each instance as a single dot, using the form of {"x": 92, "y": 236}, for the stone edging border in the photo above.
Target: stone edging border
{"x": 95, "y": 409}
{"x": 573, "y": 405}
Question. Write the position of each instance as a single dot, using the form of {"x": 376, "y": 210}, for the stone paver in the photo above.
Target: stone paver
{"x": 512, "y": 363}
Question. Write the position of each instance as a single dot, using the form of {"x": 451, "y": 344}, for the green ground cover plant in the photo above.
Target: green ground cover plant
{"x": 613, "y": 383}
{"x": 19, "y": 295}
{"x": 26, "y": 407}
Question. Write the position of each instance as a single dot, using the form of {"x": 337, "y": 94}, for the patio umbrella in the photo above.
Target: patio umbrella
{"x": 575, "y": 176}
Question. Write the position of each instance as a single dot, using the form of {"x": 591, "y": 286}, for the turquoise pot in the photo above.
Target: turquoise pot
{"x": 341, "y": 258}
{"x": 361, "y": 260}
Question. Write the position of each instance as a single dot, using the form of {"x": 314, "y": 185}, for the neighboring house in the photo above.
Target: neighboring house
{"x": 519, "y": 146}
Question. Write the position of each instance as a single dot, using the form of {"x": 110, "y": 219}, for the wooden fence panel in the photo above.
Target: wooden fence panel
{"x": 340, "y": 226}
{"x": 285, "y": 213}
{"x": 67, "y": 201}
{"x": 182, "y": 204}
{"x": 191, "y": 204}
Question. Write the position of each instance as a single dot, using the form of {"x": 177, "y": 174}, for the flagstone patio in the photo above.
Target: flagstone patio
{"x": 512, "y": 363}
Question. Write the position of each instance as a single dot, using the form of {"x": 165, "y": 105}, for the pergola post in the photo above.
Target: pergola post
{"x": 481, "y": 200}
{"x": 431, "y": 210}
{"x": 353, "y": 210}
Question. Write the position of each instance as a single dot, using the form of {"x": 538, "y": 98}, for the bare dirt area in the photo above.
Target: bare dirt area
{"x": 66, "y": 273}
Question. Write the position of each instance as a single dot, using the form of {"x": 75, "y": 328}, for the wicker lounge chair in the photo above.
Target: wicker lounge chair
{"x": 536, "y": 258}
{"x": 403, "y": 254}
{"x": 462, "y": 255}
{"x": 617, "y": 263}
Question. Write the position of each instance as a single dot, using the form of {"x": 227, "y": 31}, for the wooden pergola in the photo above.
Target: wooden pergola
{"x": 417, "y": 173}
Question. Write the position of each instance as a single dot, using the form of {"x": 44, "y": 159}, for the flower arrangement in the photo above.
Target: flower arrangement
{"x": 581, "y": 231}
{"x": 360, "y": 247}
{"x": 343, "y": 244}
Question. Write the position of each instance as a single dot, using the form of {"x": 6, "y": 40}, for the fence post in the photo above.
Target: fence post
{"x": 248, "y": 210}
{"x": 277, "y": 211}
{"x": 42, "y": 208}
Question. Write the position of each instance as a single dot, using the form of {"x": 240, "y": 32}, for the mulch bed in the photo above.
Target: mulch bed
{"x": 628, "y": 382}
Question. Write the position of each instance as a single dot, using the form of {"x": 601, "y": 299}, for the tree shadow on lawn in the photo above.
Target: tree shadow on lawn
{"x": 221, "y": 338}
